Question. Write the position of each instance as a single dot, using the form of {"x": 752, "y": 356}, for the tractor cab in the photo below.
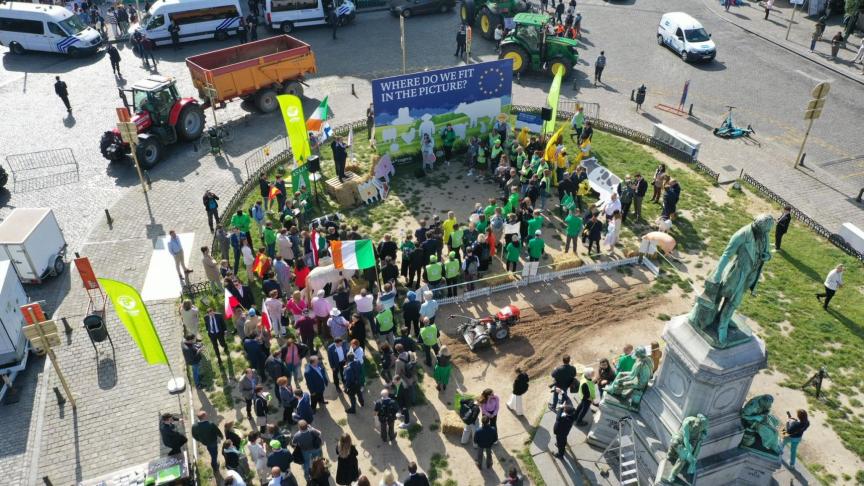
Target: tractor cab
{"x": 530, "y": 46}
{"x": 154, "y": 96}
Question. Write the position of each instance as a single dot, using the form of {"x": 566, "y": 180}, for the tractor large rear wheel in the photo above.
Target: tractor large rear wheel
{"x": 111, "y": 146}
{"x": 518, "y": 55}
{"x": 190, "y": 123}
{"x": 488, "y": 22}
{"x": 560, "y": 63}
{"x": 149, "y": 151}
{"x": 467, "y": 11}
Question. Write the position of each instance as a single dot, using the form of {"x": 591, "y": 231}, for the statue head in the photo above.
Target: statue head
{"x": 701, "y": 422}
{"x": 763, "y": 223}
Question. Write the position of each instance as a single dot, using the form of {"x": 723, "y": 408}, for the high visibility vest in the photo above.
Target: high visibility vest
{"x": 456, "y": 238}
{"x": 385, "y": 320}
{"x": 592, "y": 388}
{"x": 429, "y": 335}
{"x": 433, "y": 271}
{"x": 451, "y": 268}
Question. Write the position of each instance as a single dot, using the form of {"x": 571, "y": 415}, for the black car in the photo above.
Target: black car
{"x": 408, "y": 8}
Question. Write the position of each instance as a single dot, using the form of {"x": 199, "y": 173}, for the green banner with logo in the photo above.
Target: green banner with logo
{"x": 295, "y": 127}
{"x": 300, "y": 182}
{"x": 132, "y": 313}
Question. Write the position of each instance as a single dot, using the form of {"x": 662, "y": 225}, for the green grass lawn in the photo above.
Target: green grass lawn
{"x": 801, "y": 337}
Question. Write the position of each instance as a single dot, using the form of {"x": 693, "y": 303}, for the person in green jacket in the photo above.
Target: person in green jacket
{"x": 443, "y": 366}
{"x": 429, "y": 339}
{"x": 241, "y": 221}
{"x": 270, "y": 239}
{"x": 512, "y": 252}
{"x": 482, "y": 152}
{"x": 536, "y": 247}
{"x": 455, "y": 241}
{"x": 434, "y": 273}
{"x": 625, "y": 361}
{"x": 489, "y": 210}
{"x": 482, "y": 224}
{"x": 452, "y": 269}
{"x": 535, "y": 223}
{"x": 386, "y": 324}
{"x": 574, "y": 229}
{"x": 448, "y": 138}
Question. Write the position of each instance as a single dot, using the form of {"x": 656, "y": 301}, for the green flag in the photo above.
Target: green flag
{"x": 132, "y": 313}
{"x": 300, "y": 182}
{"x": 292, "y": 114}
{"x": 552, "y": 99}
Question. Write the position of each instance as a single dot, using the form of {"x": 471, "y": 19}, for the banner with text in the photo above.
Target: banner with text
{"x": 411, "y": 106}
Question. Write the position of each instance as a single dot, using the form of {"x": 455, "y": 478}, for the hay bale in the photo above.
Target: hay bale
{"x": 569, "y": 263}
{"x": 452, "y": 424}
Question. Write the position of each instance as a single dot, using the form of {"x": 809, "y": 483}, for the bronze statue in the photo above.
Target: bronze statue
{"x": 684, "y": 447}
{"x": 737, "y": 271}
{"x": 760, "y": 427}
{"x": 629, "y": 386}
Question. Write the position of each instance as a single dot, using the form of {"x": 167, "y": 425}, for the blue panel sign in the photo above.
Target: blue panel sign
{"x": 468, "y": 98}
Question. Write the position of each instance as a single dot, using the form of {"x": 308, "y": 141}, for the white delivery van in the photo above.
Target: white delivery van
{"x": 285, "y": 15}
{"x": 13, "y": 343}
{"x": 686, "y": 36}
{"x": 32, "y": 240}
{"x": 49, "y": 28}
{"x": 197, "y": 19}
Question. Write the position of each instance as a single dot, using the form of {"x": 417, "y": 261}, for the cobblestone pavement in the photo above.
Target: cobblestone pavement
{"x": 124, "y": 410}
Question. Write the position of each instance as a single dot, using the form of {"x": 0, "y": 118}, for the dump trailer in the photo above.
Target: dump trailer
{"x": 257, "y": 71}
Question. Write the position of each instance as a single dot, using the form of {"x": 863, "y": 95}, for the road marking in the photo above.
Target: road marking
{"x": 818, "y": 80}
{"x": 162, "y": 281}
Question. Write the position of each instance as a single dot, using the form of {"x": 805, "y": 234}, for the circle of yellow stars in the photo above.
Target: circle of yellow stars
{"x": 493, "y": 71}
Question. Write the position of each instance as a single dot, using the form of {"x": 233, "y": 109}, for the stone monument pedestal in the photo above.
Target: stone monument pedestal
{"x": 695, "y": 377}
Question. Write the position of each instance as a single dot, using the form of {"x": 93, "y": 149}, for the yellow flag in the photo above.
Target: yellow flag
{"x": 133, "y": 314}
{"x": 552, "y": 100}
{"x": 295, "y": 126}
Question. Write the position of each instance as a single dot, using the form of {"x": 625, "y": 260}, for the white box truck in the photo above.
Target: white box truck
{"x": 32, "y": 240}
{"x": 13, "y": 344}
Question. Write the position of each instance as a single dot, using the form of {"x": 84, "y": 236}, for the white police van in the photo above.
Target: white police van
{"x": 48, "y": 28}
{"x": 285, "y": 15}
{"x": 197, "y": 19}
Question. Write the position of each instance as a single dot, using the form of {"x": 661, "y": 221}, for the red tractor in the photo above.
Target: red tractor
{"x": 162, "y": 117}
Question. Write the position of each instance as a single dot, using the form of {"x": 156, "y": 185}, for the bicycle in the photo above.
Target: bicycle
{"x": 727, "y": 129}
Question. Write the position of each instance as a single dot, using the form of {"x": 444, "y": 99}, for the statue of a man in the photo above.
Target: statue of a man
{"x": 685, "y": 445}
{"x": 629, "y": 386}
{"x": 737, "y": 271}
{"x": 760, "y": 427}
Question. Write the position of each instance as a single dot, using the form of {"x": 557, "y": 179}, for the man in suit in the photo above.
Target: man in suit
{"x": 316, "y": 381}
{"x": 170, "y": 437}
{"x": 353, "y": 381}
{"x": 63, "y": 93}
{"x": 782, "y": 226}
{"x": 564, "y": 420}
{"x": 415, "y": 478}
{"x": 641, "y": 188}
{"x": 304, "y": 406}
{"x": 336, "y": 353}
{"x": 207, "y": 433}
{"x": 340, "y": 156}
{"x": 215, "y": 325}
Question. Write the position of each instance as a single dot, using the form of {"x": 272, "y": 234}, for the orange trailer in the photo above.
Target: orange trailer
{"x": 257, "y": 71}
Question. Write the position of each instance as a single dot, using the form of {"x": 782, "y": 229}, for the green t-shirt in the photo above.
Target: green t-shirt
{"x": 534, "y": 224}
{"x": 448, "y": 137}
{"x": 489, "y": 211}
{"x": 481, "y": 156}
{"x": 512, "y": 252}
{"x": 242, "y": 222}
{"x": 574, "y": 225}
{"x": 407, "y": 247}
{"x": 269, "y": 236}
{"x": 625, "y": 363}
{"x": 535, "y": 247}
{"x": 482, "y": 225}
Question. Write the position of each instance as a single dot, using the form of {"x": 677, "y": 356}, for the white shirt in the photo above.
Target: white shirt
{"x": 286, "y": 249}
{"x": 238, "y": 479}
{"x": 364, "y": 304}
{"x": 610, "y": 206}
{"x": 248, "y": 257}
{"x": 834, "y": 279}
{"x": 358, "y": 354}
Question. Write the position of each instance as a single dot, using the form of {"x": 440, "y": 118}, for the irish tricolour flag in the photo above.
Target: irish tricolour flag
{"x": 352, "y": 254}
{"x": 318, "y": 117}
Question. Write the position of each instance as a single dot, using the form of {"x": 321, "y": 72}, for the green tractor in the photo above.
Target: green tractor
{"x": 529, "y": 46}
{"x": 491, "y": 13}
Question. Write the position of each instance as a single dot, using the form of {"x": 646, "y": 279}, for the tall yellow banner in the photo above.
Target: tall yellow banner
{"x": 295, "y": 126}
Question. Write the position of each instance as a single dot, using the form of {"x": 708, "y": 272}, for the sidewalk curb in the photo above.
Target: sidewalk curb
{"x": 859, "y": 80}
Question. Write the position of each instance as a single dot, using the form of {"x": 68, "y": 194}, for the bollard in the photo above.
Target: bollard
{"x": 196, "y": 145}
{"x": 632, "y": 95}
{"x": 352, "y": 91}
{"x": 147, "y": 179}
{"x": 860, "y": 193}
{"x": 60, "y": 399}
{"x": 47, "y": 481}
{"x": 690, "y": 112}
{"x": 803, "y": 156}
{"x": 77, "y": 255}
{"x": 108, "y": 216}
{"x": 66, "y": 325}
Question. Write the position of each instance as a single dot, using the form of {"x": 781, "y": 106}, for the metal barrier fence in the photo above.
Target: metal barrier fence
{"x": 47, "y": 168}
{"x": 260, "y": 157}
{"x": 811, "y": 223}
{"x": 591, "y": 110}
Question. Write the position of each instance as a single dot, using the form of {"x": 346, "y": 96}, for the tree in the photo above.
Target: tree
{"x": 854, "y": 6}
